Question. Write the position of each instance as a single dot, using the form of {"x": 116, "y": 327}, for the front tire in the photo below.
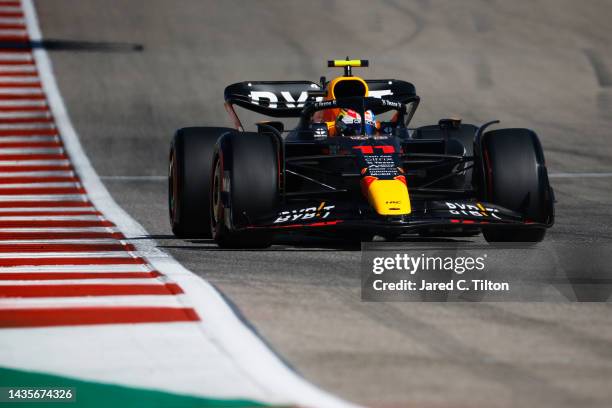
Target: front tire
{"x": 244, "y": 188}
{"x": 516, "y": 178}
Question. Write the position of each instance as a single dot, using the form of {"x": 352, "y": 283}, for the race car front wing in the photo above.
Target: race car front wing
{"x": 439, "y": 215}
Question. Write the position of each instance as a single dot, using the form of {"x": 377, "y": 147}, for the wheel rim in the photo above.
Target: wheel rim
{"x": 216, "y": 205}
{"x": 172, "y": 187}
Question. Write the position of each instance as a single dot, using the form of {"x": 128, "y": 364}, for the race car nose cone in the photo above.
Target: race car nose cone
{"x": 387, "y": 197}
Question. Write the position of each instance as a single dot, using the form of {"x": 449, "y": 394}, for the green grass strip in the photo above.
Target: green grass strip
{"x": 93, "y": 394}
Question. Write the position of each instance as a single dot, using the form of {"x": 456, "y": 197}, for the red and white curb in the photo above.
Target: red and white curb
{"x": 79, "y": 296}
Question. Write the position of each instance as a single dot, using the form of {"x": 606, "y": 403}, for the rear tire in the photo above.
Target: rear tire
{"x": 191, "y": 154}
{"x": 516, "y": 178}
{"x": 244, "y": 188}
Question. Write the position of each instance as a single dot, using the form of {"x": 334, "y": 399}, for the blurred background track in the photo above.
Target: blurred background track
{"x": 132, "y": 72}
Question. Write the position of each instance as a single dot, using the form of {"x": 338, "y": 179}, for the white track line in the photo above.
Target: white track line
{"x": 76, "y": 268}
{"x": 54, "y": 197}
{"x": 10, "y": 32}
{"x": 17, "y": 68}
{"x": 60, "y": 162}
{"x": 25, "y": 114}
{"x": 11, "y": 20}
{"x": 579, "y": 175}
{"x": 43, "y": 173}
{"x": 10, "y": 9}
{"x": 21, "y": 91}
{"x": 19, "y": 79}
{"x": 68, "y": 184}
{"x": 92, "y": 217}
{"x": 31, "y": 150}
{"x": 47, "y": 209}
{"x": 93, "y": 301}
{"x": 14, "y": 56}
{"x": 62, "y": 241}
{"x": 60, "y": 282}
{"x": 21, "y": 102}
{"x": 28, "y": 139}
{"x": 71, "y": 255}
{"x": 26, "y": 126}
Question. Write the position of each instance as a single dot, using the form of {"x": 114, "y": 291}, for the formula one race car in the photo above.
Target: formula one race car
{"x": 335, "y": 174}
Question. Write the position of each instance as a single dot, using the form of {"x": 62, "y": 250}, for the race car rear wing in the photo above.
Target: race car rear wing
{"x": 282, "y": 99}
{"x": 285, "y": 99}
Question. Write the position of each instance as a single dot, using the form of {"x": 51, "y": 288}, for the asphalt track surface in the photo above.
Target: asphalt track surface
{"x": 539, "y": 64}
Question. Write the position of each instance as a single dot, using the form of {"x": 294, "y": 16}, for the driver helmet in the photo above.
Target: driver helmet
{"x": 348, "y": 123}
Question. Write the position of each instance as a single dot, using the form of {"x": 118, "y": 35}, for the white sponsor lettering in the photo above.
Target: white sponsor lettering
{"x": 380, "y": 93}
{"x": 273, "y": 99}
{"x": 303, "y": 214}
{"x": 270, "y": 96}
{"x": 471, "y": 210}
{"x": 289, "y": 98}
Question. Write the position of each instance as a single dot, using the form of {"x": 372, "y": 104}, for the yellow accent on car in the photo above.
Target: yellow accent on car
{"x": 347, "y": 63}
{"x": 389, "y": 197}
